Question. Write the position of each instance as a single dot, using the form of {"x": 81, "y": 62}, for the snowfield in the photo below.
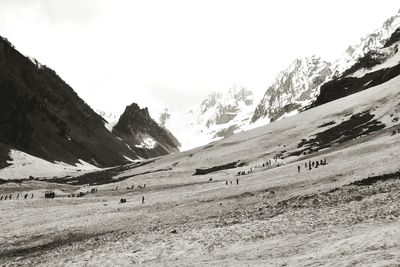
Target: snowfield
{"x": 24, "y": 165}
{"x": 344, "y": 213}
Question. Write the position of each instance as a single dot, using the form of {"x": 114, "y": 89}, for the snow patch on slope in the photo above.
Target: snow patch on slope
{"x": 147, "y": 142}
{"x": 24, "y": 165}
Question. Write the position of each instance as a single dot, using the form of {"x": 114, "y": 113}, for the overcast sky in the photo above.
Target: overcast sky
{"x": 173, "y": 53}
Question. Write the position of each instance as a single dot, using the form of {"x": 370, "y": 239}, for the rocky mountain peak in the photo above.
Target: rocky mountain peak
{"x": 370, "y": 42}
{"x": 143, "y": 134}
{"x": 293, "y": 88}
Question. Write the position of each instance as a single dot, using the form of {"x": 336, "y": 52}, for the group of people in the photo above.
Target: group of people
{"x": 264, "y": 164}
{"x": 312, "y": 164}
{"x": 81, "y": 194}
{"x": 10, "y": 196}
{"x": 138, "y": 187}
{"x": 245, "y": 172}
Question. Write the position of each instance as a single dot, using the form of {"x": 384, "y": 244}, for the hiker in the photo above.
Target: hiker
{"x": 226, "y": 182}
{"x": 238, "y": 173}
{"x": 133, "y": 186}
{"x": 237, "y": 181}
{"x": 298, "y": 168}
{"x": 231, "y": 182}
{"x": 305, "y": 164}
{"x": 324, "y": 161}
{"x": 26, "y": 196}
{"x": 10, "y": 197}
{"x": 309, "y": 167}
{"x": 6, "y": 197}
{"x": 18, "y": 196}
{"x": 116, "y": 188}
{"x": 142, "y": 199}
{"x": 1, "y": 198}
{"x": 321, "y": 162}
{"x": 139, "y": 186}
{"x": 316, "y": 164}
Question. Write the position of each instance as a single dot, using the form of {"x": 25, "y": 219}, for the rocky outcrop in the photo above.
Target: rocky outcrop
{"x": 143, "y": 135}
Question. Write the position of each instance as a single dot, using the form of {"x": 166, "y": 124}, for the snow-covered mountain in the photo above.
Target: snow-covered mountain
{"x": 219, "y": 115}
{"x": 371, "y": 42}
{"x": 293, "y": 89}
{"x": 299, "y": 85}
{"x": 111, "y": 119}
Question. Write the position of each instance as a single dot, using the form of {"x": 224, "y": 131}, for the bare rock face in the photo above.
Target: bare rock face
{"x": 41, "y": 115}
{"x": 293, "y": 89}
{"x": 143, "y": 135}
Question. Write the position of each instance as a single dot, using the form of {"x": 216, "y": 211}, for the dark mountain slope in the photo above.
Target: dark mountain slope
{"x": 42, "y": 115}
{"x": 143, "y": 134}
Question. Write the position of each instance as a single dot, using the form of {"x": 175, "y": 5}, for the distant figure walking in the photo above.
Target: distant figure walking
{"x": 18, "y": 196}
{"x": 116, "y": 188}
{"x": 237, "y": 181}
{"x": 305, "y": 164}
{"x": 26, "y": 196}
{"x": 142, "y": 199}
{"x": 298, "y": 168}
{"x": 226, "y": 182}
{"x": 32, "y": 195}
{"x": 133, "y": 186}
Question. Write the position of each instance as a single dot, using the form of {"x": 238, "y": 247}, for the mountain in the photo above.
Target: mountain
{"x": 293, "y": 89}
{"x": 374, "y": 41}
{"x": 311, "y": 81}
{"x": 374, "y": 68}
{"x": 143, "y": 135}
{"x": 218, "y": 116}
{"x": 40, "y": 114}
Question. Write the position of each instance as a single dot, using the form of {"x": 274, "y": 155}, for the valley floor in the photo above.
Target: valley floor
{"x": 274, "y": 217}
{"x": 345, "y": 213}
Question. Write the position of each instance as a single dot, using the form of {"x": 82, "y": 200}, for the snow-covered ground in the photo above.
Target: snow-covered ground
{"x": 24, "y": 165}
{"x": 275, "y": 216}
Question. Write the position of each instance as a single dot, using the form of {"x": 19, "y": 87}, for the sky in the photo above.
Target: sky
{"x": 173, "y": 53}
